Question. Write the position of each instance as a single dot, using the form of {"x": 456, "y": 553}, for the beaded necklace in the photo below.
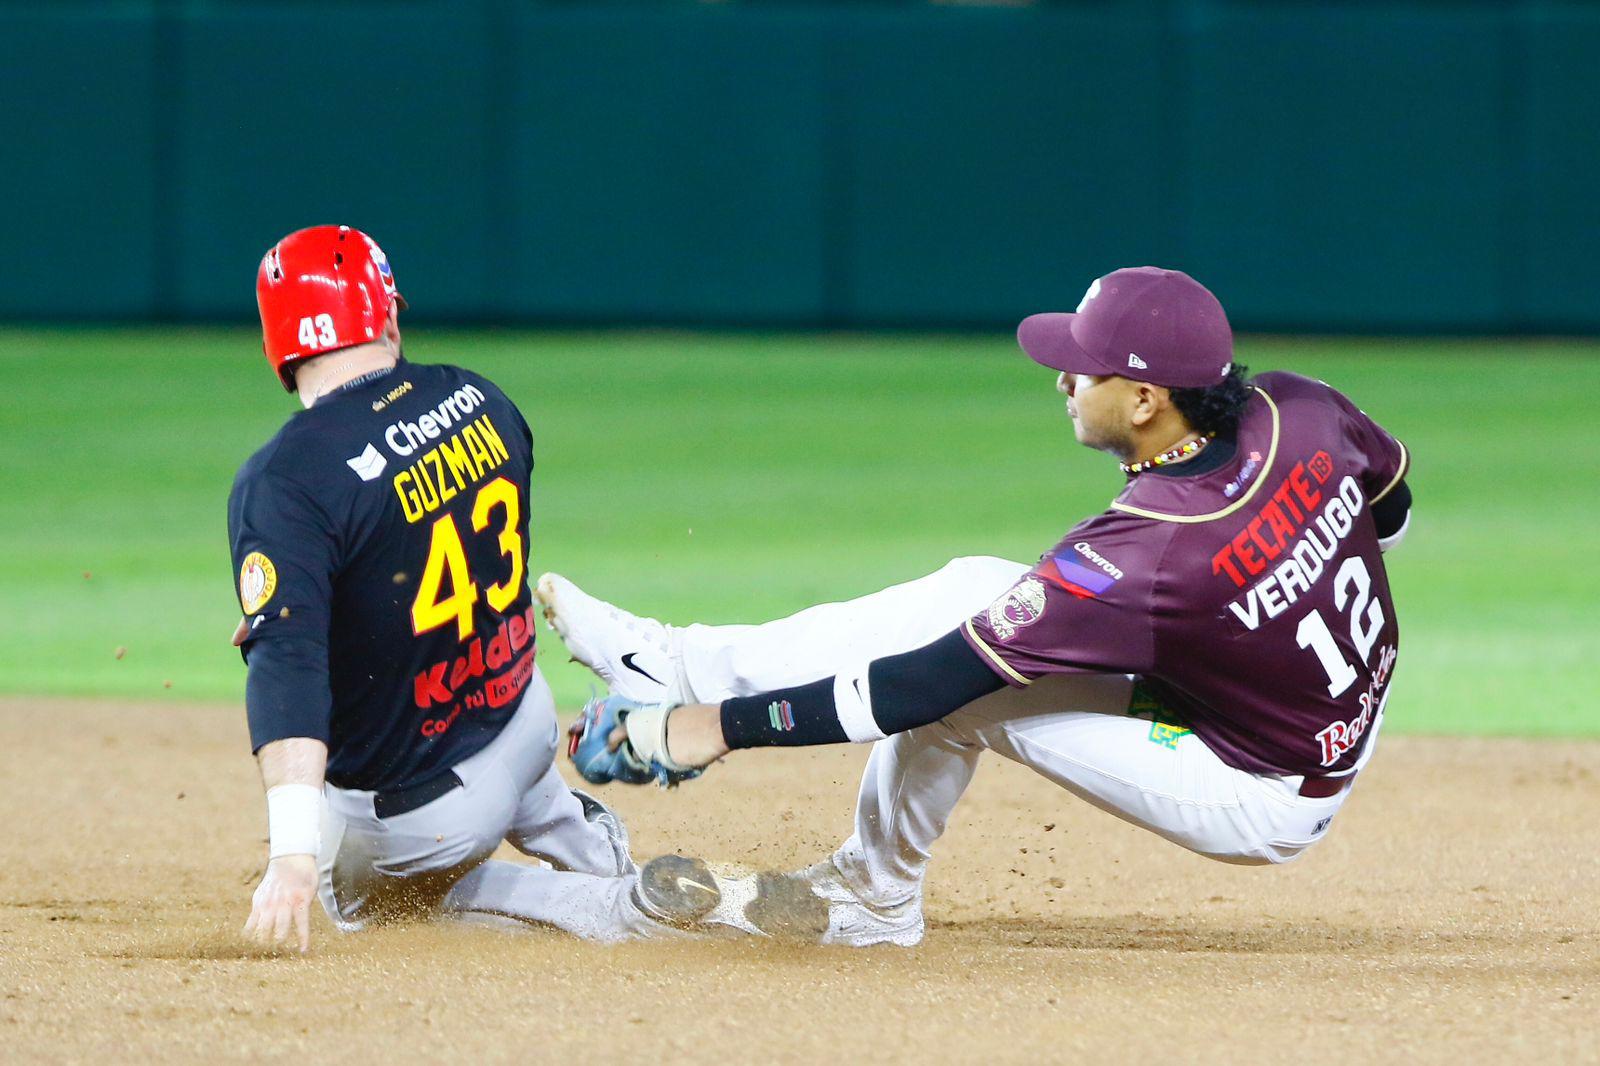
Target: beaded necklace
{"x": 1171, "y": 455}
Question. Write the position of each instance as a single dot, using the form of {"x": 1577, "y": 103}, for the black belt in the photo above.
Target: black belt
{"x": 403, "y": 800}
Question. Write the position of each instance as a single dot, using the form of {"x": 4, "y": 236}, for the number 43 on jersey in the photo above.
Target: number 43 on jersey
{"x": 447, "y": 564}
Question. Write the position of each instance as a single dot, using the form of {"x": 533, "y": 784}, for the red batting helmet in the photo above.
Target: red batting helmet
{"x": 319, "y": 290}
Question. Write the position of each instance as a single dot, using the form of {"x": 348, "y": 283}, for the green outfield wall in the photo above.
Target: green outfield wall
{"x": 1362, "y": 166}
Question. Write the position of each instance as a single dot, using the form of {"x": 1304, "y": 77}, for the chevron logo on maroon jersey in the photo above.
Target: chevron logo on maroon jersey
{"x": 1086, "y": 573}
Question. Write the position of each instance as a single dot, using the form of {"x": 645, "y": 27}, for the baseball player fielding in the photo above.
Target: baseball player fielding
{"x": 1209, "y": 658}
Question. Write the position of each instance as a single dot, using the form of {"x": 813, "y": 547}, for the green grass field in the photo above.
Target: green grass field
{"x": 737, "y": 477}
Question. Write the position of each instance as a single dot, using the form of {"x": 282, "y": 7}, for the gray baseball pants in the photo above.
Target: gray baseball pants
{"x": 434, "y": 861}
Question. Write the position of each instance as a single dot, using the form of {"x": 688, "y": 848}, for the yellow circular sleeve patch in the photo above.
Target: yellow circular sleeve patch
{"x": 258, "y": 580}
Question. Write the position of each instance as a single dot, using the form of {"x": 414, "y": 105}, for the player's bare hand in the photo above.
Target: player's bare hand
{"x": 283, "y": 902}
{"x": 241, "y": 631}
{"x": 694, "y": 735}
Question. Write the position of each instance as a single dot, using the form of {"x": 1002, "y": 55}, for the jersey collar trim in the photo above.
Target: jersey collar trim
{"x": 356, "y": 383}
{"x": 1255, "y": 486}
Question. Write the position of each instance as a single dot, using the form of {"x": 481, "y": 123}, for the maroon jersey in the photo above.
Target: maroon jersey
{"x": 1251, "y": 597}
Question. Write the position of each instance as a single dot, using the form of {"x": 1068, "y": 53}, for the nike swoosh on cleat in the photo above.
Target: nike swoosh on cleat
{"x": 627, "y": 660}
{"x": 687, "y": 882}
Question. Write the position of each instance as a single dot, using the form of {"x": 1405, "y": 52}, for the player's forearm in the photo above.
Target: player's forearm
{"x": 893, "y": 694}
{"x": 292, "y": 771}
{"x": 293, "y": 761}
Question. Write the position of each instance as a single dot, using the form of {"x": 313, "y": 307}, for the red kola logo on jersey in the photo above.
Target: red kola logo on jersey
{"x": 1340, "y": 737}
{"x": 443, "y": 681}
{"x": 1275, "y": 526}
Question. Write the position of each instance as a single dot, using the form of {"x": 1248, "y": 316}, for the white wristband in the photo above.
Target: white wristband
{"x": 1393, "y": 539}
{"x": 647, "y": 735}
{"x": 294, "y": 820}
{"x": 852, "y": 701}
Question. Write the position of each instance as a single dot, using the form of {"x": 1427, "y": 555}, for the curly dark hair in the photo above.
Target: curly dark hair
{"x": 1216, "y": 408}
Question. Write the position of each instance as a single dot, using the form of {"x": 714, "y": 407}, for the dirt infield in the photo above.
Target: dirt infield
{"x": 1452, "y": 915}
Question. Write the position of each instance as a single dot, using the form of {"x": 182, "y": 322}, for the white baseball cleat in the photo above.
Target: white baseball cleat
{"x": 814, "y": 904}
{"x": 852, "y": 921}
{"x": 632, "y": 655}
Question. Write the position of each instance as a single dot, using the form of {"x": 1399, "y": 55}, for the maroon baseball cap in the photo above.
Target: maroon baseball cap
{"x": 1144, "y": 323}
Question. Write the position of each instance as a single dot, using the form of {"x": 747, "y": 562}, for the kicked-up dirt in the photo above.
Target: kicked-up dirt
{"x": 1452, "y": 915}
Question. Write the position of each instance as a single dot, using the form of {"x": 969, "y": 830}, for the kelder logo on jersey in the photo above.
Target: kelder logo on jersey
{"x": 1085, "y": 573}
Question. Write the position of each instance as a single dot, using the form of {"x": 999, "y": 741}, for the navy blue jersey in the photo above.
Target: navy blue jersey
{"x": 380, "y": 542}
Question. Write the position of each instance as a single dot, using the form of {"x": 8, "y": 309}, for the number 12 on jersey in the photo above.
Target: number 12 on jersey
{"x": 447, "y": 559}
{"x": 1352, "y": 584}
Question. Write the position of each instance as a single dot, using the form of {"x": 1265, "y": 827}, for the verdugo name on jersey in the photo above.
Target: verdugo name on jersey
{"x": 1306, "y": 562}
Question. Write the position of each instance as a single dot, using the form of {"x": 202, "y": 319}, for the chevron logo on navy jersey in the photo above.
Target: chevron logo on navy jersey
{"x": 369, "y": 464}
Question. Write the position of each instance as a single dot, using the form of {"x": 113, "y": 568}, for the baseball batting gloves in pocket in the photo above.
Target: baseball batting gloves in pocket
{"x": 588, "y": 746}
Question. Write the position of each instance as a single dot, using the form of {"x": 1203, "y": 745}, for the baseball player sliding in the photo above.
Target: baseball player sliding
{"x": 1208, "y": 658}
{"x": 380, "y": 542}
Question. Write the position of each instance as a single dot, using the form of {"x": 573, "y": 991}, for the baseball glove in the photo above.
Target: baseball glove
{"x": 587, "y": 747}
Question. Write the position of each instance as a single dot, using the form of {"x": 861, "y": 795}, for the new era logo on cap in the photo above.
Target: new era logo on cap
{"x": 369, "y": 464}
{"x": 1136, "y": 363}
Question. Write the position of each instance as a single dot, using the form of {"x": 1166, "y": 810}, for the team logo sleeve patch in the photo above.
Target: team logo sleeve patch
{"x": 1020, "y": 607}
{"x": 258, "y": 580}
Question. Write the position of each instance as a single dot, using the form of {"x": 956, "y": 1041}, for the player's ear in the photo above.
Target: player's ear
{"x": 1148, "y": 402}
{"x": 391, "y": 326}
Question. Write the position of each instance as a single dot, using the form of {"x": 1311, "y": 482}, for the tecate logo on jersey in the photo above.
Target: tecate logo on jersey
{"x": 1275, "y": 524}
{"x": 405, "y": 437}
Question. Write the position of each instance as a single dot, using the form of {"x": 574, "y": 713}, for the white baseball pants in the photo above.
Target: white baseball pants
{"x": 1073, "y": 729}
{"x": 435, "y": 860}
